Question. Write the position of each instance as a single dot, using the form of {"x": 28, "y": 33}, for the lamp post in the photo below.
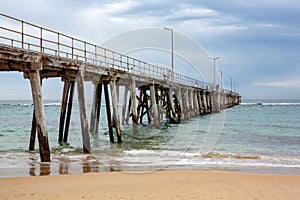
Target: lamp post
{"x": 214, "y": 59}
{"x": 231, "y": 83}
{"x": 172, "y": 49}
{"x": 221, "y": 79}
{"x": 233, "y": 86}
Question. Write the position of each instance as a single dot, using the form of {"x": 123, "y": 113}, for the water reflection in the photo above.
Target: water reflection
{"x": 44, "y": 170}
{"x": 66, "y": 166}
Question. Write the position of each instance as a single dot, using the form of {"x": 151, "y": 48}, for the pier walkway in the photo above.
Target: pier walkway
{"x": 152, "y": 93}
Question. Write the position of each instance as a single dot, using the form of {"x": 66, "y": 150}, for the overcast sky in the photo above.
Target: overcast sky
{"x": 258, "y": 41}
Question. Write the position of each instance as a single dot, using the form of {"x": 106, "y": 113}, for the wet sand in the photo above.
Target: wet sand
{"x": 153, "y": 185}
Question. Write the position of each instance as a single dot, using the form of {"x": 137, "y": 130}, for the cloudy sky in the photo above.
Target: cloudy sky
{"x": 258, "y": 41}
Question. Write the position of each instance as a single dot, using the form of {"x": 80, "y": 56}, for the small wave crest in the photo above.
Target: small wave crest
{"x": 234, "y": 156}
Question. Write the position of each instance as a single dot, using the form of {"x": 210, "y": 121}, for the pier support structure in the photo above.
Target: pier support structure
{"x": 36, "y": 89}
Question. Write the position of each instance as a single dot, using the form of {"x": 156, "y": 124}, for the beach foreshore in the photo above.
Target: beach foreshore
{"x": 153, "y": 185}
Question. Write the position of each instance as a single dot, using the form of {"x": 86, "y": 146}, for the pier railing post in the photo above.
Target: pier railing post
{"x": 36, "y": 89}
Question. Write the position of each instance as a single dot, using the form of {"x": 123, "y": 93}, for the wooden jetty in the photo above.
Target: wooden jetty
{"x": 151, "y": 93}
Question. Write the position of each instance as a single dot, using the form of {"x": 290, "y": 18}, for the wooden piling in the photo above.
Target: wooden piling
{"x": 83, "y": 115}
{"x": 65, "y": 95}
{"x": 191, "y": 97}
{"x": 199, "y": 102}
{"x": 33, "y": 129}
{"x": 218, "y": 103}
{"x": 124, "y": 104}
{"x": 209, "y": 101}
{"x": 116, "y": 113}
{"x": 108, "y": 113}
{"x": 128, "y": 111}
{"x": 172, "y": 107}
{"x": 69, "y": 111}
{"x": 133, "y": 107}
{"x": 99, "y": 99}
{"x": 158, "y": 103}
{"x": 188, "y": 113}
{"x": 36, "y": 89}
{"x": 33, "y": 132}
{"x": 154, "y": 106}
{"x": 196, "y": 105}
{"x": 96, "y": 108}
{"x": 179, "y": 97}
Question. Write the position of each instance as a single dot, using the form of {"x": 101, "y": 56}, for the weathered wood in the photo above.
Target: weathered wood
{"x": 209, "y": 101}
{"x": 191, "y": 100}
{"x": 95, "y": 111}
{"x": 33, "y": 133}
{"x": 199, "y": 102}
{"x": 33, "y": 129}
{"x": 128, "y": 111}
{"x": 179, "y": 97}
{"x": 83, "y": 115}
{"x": 158, "y": 103}
{"x": 154, "y": 106}
{"x": 99, "y": 99}
{"x": 162, "y": 101}
{"x": 177, "y": 109}
{"x": 36, "y": 89}
{"x": 116, "y": 113}
{"x": 148, "y": 107}
{"x": 65, "y": 95}
{"x": 172, "y": 108}
{"x": 188, "y": 113}
{"x": 124, "y": 104}
{"x": 143, "y": 107}
{"x": 108, "y": 113}
{"x": 204, "y": 100}
{"x": 196, "y": 104}
{"x": 94, "y": 108}
{"x": 217, "y": 99}
{"x": 140, "y": 100}
{"x": 133, "y": 107}
{"x": 69, "y": 111}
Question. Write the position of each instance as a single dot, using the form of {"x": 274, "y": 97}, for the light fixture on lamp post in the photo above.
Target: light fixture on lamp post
{"x": 172, "y": 49}
{"x": 214, "y": 59}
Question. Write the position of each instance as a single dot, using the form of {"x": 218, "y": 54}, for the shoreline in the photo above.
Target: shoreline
{"x": 153, "y": 185}
{"x": 54, "y": 169}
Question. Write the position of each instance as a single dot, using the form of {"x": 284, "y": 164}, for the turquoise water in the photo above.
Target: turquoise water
{"x": 263, "y": 138}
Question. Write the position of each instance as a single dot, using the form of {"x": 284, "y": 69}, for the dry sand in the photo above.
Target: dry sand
{"x": 154, "y": 185}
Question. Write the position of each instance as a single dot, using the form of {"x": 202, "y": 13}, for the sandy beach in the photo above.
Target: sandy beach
{"x": 153, "y": 185}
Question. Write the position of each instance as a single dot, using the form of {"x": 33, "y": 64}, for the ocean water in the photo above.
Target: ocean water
{"x": 255, "y": 137}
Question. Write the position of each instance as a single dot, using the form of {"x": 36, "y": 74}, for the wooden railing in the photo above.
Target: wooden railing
{"x": 21, "y": 34}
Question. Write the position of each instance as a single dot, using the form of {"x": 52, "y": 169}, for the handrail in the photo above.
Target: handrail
{"x": 64, "y": 46}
